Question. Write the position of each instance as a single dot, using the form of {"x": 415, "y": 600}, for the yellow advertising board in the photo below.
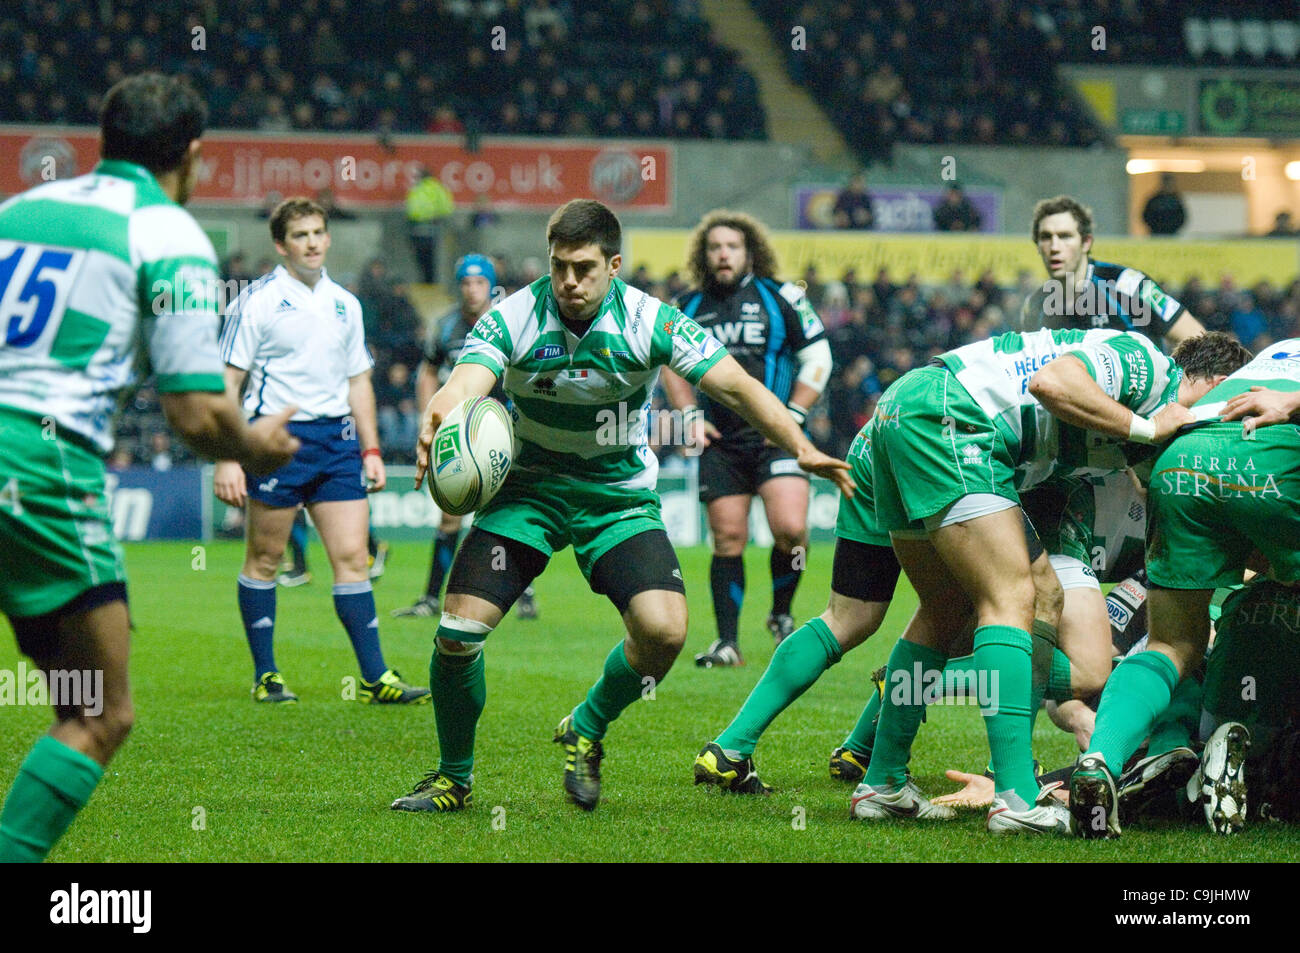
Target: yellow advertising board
{"x": 933, "y": 257}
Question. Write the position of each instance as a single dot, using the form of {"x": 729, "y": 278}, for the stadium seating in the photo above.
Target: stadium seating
{"x": 883, "y": 70}
{"x": 638, "y": 68}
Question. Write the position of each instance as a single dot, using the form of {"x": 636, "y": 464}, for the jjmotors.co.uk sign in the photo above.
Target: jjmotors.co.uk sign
{"x": 243, "y": 168}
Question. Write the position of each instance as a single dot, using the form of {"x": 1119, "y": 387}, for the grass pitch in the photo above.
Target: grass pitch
{"x": 209, "y": 776}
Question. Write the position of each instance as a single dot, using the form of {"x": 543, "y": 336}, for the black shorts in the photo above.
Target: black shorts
{"x": 499, "y": 569}
{"x": 729, "y": 469}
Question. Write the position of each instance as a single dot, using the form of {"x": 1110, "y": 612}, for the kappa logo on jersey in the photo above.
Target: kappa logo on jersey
{"x": 547, "y": 352}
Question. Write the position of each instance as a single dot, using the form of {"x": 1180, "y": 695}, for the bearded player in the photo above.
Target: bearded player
{"x": 770, "y": 328}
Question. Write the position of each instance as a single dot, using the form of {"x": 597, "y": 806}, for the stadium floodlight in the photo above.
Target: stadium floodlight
{"x": 1143, "y": 166}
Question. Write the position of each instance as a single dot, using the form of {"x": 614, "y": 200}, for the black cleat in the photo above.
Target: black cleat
{"x": 435, "y": 794}
{"x": 425, "y": 607}
{"x": 849, "y": 765}
{"x": 780, "y": 626}
{"x": 581, "y": 765}
{"x": 1094, "y": 802}
{"x": 712, "y": 766}
{"x": 1154, "y": 784}
{"x": 720, "y": 655}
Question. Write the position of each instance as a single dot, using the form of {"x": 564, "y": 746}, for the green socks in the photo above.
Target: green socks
{"x": 1175, "y": 726}
{"x": 618, "y": 686}
{"x": 1139, "y": 689}
{"x": 798, "y": 662}
{"x": 863, "y": 736}
{"x": 1003, "y": 655}
{"x": 54, "y": 782}
{"x": 901, "y": 711}
{"x": 459, "y": 689}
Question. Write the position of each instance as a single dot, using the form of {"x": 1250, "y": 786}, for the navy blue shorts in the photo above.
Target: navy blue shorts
{"x": 326, "y": 467}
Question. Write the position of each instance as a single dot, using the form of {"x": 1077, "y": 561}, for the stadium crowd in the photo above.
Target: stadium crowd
{"x": 644, "y": 67}
{"x": 880, "y": 326}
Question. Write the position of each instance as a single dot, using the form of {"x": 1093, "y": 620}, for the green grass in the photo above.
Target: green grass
{"x": 313, "y": 781}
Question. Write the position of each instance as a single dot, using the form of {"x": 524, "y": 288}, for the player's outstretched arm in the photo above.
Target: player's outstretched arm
{"x": 1069, "y": 393}
{"x": 211, "y": 424}
{"x": 1263, "y": 407}
{"x": 1187, "y": 326}
{"x": 466, "y": 380}
{"x": 728, "y": 384}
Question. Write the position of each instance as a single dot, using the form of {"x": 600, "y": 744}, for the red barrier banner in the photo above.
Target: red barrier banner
{"x": 242, "y": 168}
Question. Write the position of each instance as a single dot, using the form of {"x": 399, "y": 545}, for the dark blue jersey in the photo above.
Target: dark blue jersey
{"x": 1110, "y": 296}
{"x": 763, "y": 323}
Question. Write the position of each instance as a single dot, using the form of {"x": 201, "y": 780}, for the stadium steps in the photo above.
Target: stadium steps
{"x": 792, "y": 114}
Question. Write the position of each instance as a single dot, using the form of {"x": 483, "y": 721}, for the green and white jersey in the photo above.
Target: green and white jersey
{"x": 581, "y": 405}
{"x": 1276, "y": 367}
{"x": 88, "y": 267}
{"x": 1129, "y": 367}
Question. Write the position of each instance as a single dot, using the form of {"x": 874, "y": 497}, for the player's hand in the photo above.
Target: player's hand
{"x": 1168, "y": 419}
{"x": 1261, "y": 407}
{"x": 703, "y": 433}
{"x": 229, "y": 484}
{"x": 376, "y": 476}
{"x": 977, "y": 791}
{"x": 424, "y": 445}
{"x": 813, "y": 460}
{"x": 269, "y": 443}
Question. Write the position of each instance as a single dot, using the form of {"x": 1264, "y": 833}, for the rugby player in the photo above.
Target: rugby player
{"x": 1218, "y": 492}
{"x": 1083, "y": 293}
{"x": 769, "y": 327}
{"x": 951, "y": 444}
{"x": 297, "y": 338}
{"x": 865, "y": 569}
{"x": 476, "y": 277}
{"x": 91, "y": 265}
{"x": 578, "y": 351}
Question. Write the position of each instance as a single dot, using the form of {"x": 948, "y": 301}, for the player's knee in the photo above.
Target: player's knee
{"x": 458, "y": 650}
{"x": 111, "y": 726}
{"x": 850, "y": 624}
{"x": 786, "y": 538}
{"x": 729, "y": 543}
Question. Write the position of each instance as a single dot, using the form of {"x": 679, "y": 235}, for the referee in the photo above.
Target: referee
{"x": 297, "y": 338}
{"x": 772, "y": 330}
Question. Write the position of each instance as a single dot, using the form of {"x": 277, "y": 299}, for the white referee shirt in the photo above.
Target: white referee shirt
{"x": 300, "y": 345}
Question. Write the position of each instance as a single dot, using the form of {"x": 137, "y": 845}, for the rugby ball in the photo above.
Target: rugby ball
{"x": 472, "y": 453}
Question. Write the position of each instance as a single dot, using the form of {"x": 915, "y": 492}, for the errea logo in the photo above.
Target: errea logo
{"x": 972, "y": 456}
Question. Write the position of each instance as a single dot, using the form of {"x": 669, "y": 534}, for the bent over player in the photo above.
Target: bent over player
{"x": 772, "y": 331}
{"x": 1218, "y": 492}
{"x": 578, "y": 351}
{"x": 298, "y": 338}
{"x": 87, "y": 265}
